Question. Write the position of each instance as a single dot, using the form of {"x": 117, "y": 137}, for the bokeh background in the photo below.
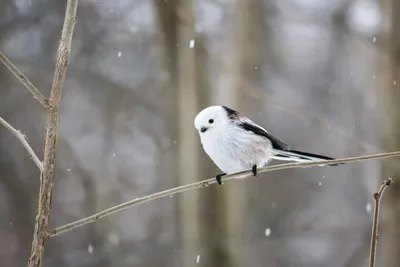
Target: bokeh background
{"x": 322, "y": 75}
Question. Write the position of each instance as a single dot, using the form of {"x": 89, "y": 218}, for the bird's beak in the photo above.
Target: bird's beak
{"x": 203, "y": 129}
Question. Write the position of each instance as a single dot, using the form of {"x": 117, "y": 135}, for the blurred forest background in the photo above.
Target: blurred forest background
{"x": 319, "y": 74}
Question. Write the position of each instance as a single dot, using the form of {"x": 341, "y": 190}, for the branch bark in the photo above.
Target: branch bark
{"x": 47, "y": 177}
{"x": 95, "y": 217}
{"x": 374, "y": 237}
{"x": 22, "y": 138}
{"x": 31, "y": 88}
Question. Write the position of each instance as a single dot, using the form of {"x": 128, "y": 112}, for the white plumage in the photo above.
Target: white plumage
{"x": 235, "y": 143}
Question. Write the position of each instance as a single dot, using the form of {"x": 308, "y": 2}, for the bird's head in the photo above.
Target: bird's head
{"x": 214, "y": 117}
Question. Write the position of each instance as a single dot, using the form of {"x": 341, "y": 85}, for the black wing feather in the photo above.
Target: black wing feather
{"x": 276, "y": 143}
{"x": 249, "y": 125}
{"x": 310, "y": 155}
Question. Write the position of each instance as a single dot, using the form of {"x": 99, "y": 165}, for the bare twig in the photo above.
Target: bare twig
{"x": 40, "y": 233}
{"x": 374, "y": 238}
{"x": 205, "y": 183}
{"x": 34, "y": 91}
{"x": 22, "y": 138}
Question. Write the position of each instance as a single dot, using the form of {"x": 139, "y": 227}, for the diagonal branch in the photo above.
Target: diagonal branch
{"x": 95, "y": 217}
{"x": 34, "y": 91}
{"x": 374, "y": 238}
{"x": 50, "y": 141}
{"x": 22, "y": 138}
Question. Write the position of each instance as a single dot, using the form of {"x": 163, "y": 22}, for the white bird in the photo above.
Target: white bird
{"x": 236, "y": 143}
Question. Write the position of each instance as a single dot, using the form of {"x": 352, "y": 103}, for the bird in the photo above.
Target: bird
{"x": 235, "y": 143}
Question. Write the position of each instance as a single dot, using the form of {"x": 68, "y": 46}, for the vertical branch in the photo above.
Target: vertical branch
{"x": 47, "y": 177}
{"x": 374, "y": 238}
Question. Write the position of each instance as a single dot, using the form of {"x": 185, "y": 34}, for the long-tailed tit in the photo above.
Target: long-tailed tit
{"x": 236, "y": 143}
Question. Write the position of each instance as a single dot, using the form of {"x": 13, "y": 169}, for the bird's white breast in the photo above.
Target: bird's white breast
{"x": 232, "y": 149}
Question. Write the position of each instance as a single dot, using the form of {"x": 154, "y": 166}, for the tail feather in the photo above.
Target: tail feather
{"x": 300, "y": 156}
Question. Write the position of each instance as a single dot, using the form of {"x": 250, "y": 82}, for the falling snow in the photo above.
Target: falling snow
{"x": 90, "y": 249}
{"x": 191, "y": 43}
{"x": 319, "y": 183}
{"x": 267, "y": 231}
{"x": 119, "y": 54}
{"x": 113, "y": 154}
{"x": 368, "y": 207}
{"x": 68, "y": 170}
{"x": 374, "y": 40}
{"x": 198, "y": 259}
{"x": 394, "y": 82}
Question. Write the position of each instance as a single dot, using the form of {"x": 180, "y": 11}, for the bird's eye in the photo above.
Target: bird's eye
{"x": 211, "y": 121}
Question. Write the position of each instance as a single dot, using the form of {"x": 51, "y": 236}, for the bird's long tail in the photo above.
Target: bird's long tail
{"x": 299, "y": 156}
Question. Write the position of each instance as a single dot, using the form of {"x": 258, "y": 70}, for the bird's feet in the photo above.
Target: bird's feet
{"x": 218, "y": 178}
{"x": 254, "y": 170}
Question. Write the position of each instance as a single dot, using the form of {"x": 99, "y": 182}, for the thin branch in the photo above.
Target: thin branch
{"x": 31, "y": 88}
{"x": 95, "y": 217}
{"x": 22, "y": 138}
{"x": 47, "y": 178}
{"x": 374, "y": 238}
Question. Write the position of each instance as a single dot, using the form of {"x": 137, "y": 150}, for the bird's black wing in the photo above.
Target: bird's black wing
{"x": 249, "y": 125}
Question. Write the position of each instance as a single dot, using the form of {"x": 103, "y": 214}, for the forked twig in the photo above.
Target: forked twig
{"x": 374, "y": 237}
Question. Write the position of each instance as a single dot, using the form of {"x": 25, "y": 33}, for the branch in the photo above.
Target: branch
{"x": 374, "y": 238}
{"x": 22, "y": 138}
{"x": 95, "y": 217}
{"x": 40, "y": 233}
{"x": 34, "y": 91}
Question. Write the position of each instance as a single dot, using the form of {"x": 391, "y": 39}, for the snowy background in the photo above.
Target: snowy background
{"x": 319, "y": 74}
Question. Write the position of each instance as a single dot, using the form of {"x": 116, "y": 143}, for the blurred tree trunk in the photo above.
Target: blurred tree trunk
{"x": 191, "y": 224}
{"x": 105, "y": 181}
{"x": 230, "y": 199}
{"x": 390, "y": 247}
{"x": 189, "y": 204}
{"x": 243, "y": 53}
{"x": 177, "y": 22}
